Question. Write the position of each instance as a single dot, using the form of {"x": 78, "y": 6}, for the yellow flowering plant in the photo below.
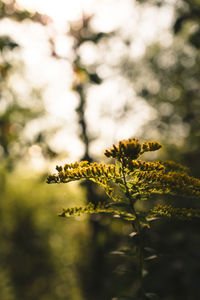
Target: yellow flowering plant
{"x": 128, "y": 180}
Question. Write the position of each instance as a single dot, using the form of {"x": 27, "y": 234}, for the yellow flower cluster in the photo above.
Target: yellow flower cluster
{"x": 171, "y": 212}
{"x": 84, "y": 169}
{"x": 149, "y": 176}
{"x": 131, "y": 180}
{"x": 172, "y": 182}
{"x": 126, "y": 148}
{"x": 131, "y": 149}
{"x": 150, "y": 146}
{"x": 82, "y": 164}
{"x": 144, "y": 166}
{"x": 182, "y": 183}
{"x": 172, "y": 166}
{"x": 92, "y": 209}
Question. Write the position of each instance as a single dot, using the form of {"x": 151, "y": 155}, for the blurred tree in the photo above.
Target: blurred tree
{"x": 92, "y": 265}
{"x": 168, "y": 77}
{"x": 28, "y": 268}
{"x": 15, "y": 113}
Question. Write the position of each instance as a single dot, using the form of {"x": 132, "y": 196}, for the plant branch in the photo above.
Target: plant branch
{"x": 137, "y": 227}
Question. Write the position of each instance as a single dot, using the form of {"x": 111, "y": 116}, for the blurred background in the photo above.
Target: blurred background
{"x": 75, "y": 78}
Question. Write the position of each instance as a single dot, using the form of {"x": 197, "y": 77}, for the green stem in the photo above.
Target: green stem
{"x": 136, "y": 226}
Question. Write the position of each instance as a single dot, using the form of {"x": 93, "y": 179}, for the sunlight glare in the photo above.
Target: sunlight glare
{"x": 61, "y": 10}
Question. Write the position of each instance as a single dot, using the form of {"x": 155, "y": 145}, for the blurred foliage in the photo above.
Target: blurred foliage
{"x": 168, "y": 77}
{"x": 38, "y": 249}
{"x": 15, "y": 111}
{"x": 33, "y": 261}
{"x": 101, "y": 238}
{"x": 11, "y": 9}
{"x": 85, "y": 76}
{"x": 7, "y": 42}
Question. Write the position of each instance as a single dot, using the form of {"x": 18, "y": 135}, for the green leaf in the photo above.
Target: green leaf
{"x": 133, "y": 234}
{"x": 128, "y": 218}
{"x": 122, "y": 187}
{"x": 127, "y": 252}
{"x": 152, "y": 219}
{"x": 151, "y": 257}
{"x": 143, "y": 221}
{"x": 129, "y": 185}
